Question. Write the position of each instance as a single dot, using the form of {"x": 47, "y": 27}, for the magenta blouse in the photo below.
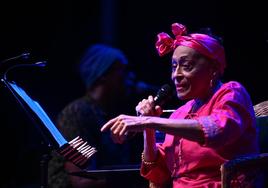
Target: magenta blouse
{"x": 228, "y": 122}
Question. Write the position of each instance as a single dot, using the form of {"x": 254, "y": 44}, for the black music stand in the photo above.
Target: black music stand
{"x": 52, "y": 137}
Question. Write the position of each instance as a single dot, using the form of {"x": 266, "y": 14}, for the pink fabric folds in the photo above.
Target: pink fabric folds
{"x": 204, "y": 44}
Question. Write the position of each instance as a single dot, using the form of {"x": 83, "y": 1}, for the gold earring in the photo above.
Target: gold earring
{"x": 211, "y": 83}
{"x": 212, "y": 80}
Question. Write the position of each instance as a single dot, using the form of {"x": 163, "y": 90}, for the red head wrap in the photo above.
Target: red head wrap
{"x": 202, "y": 43}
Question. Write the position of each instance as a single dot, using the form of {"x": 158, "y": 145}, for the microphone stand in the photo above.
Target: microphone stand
{"x": 46, "y": 156}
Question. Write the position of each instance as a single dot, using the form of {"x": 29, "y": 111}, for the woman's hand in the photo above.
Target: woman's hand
{"x": 123, "y": 124}
{"x": 147, "y": 108}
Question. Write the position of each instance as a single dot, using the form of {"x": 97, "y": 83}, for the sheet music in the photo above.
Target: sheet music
{"x": 34, "y": 105}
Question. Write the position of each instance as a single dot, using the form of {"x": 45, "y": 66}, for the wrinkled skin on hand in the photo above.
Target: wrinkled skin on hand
{"x": 121, "y": 125}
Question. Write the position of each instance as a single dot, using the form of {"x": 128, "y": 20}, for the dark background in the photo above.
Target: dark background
{"x": 59, "y": 32}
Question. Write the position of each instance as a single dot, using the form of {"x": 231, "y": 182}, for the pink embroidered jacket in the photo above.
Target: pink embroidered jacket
{"x": 228, "y": 122}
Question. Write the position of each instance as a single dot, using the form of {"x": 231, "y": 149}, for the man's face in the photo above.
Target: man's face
{"x": 116, "y": 78}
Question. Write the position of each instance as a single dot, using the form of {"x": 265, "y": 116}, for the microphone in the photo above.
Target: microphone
{"x": 163, "y": 95}
{"x": 36, "y": 64}
{"x": 9, "y": 62}
{"x": 22, "y": 56}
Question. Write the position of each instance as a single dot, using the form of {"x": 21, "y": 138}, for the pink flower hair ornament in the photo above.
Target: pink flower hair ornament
{"x": 204, "y": 44}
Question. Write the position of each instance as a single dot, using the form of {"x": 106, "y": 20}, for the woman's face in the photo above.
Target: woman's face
{"x": 191, "y": 73}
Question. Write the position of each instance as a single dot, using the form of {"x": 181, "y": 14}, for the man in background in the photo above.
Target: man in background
{"x": 109, "y": 90}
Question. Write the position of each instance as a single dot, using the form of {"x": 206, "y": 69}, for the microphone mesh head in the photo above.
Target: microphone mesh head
{"x": 163, "y": 95}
